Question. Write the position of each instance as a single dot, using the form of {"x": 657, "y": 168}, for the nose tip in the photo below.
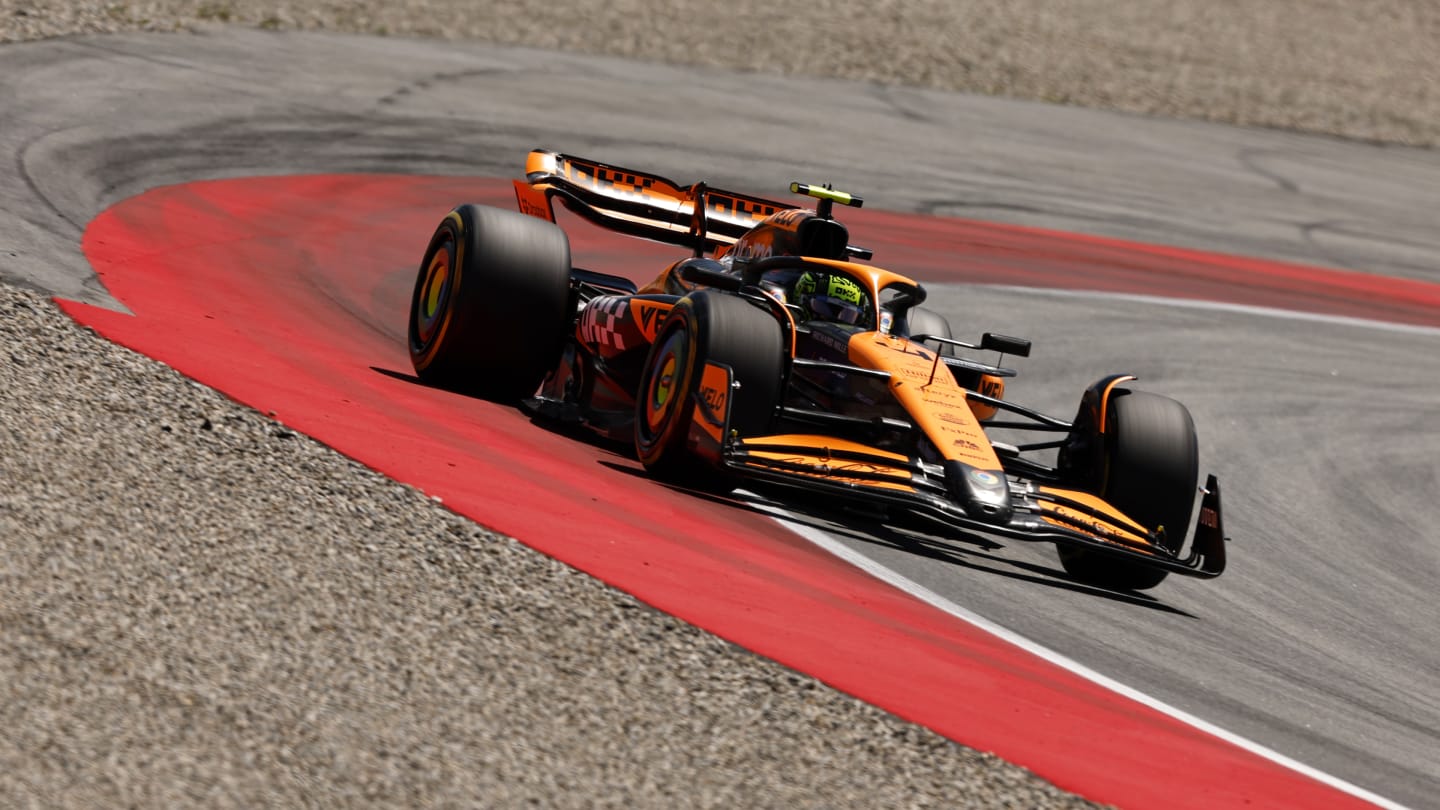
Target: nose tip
{"x": 985, "y": 495}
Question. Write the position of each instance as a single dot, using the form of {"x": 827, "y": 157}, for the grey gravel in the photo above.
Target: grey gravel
{"x": 1367, "y": 70}
{"x": 201, "y": 607}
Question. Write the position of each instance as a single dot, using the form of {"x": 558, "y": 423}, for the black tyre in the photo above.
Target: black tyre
{"x": 491, "y": 303}
{"x": 1151, "y": 471}
{"x": 922, "y": 321}
{"x": 706, "y": 327}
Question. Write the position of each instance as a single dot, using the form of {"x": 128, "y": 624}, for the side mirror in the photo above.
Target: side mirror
{"x": 1005, "y": 345}
{"x": 899, "y": 298}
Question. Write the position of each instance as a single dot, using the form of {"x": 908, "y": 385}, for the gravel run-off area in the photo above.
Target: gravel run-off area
{"x": 199, "y": 607}
{"x": 1366, "y": 70}
{"x": 203, "y": 608}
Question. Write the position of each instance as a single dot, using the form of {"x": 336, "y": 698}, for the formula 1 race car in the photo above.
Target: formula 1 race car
{"x": 780, "y": 357}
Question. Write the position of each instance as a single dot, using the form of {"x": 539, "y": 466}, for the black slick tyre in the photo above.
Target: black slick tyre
{"x": 1151, "y": 471}
{"x": 491, "y": 303}
{"x": 706, "y": 327}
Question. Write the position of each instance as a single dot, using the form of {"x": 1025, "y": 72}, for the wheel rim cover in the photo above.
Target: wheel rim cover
{"x": 660, "y": 399}
{"x": 434, "y": 294}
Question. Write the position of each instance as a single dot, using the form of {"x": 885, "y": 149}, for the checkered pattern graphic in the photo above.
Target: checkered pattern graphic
{"x": 600, "y": 322}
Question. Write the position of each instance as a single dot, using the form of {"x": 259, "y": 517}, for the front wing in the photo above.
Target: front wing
{"x": 1044, "y": 513}
{"x": 829, "y": 464}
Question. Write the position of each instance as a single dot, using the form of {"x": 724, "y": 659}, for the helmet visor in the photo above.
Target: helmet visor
{"x": 830, "y": 308}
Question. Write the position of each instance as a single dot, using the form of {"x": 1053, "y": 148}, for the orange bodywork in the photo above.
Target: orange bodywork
{"x": 919, "y": 379}
{"x": 669, "y": 208}
{"x": 1102, "y": 416}
{"x": 713, "y": 402}
{"x": 990, "y": 386}
{"x": 952, "y": 472}
{"x": 929, "y": 393}
{"x": 1118, "y": 526}
{"x": 648, "y": 315}
{"x": 531, "y": 201}
{"x": 816, "y": 455}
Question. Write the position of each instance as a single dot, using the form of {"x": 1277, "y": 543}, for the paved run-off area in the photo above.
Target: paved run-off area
{"x": 1360, "y": 70}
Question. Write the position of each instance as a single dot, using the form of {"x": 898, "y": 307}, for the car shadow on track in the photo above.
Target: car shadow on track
{"x": 570, "y": 430}
{"x": 963, "y": 549}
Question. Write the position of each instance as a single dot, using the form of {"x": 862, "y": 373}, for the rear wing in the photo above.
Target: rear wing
{"x": 639, "y": 204}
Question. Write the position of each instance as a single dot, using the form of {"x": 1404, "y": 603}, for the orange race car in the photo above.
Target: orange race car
{"x": 780, "y": 357}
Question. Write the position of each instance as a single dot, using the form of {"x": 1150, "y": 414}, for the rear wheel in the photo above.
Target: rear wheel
{"x": 491, "y": 303}
{"x": 715, "y": 328}
{"x": 1150, "y": 473}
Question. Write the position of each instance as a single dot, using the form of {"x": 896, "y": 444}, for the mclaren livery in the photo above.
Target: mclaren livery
{"x": 774, "y": 352}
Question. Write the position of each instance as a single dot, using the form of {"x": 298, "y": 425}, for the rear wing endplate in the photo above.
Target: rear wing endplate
{"x": 639, "y": 204}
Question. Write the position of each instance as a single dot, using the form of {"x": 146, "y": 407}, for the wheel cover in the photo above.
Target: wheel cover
{"x": 663, "y": 394}
{"x": 434, "y": 295}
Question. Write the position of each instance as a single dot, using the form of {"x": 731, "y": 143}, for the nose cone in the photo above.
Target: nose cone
{"x": 985, "y": 494}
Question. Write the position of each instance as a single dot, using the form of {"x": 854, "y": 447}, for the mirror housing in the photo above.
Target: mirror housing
{"x": 1005, "y": 344}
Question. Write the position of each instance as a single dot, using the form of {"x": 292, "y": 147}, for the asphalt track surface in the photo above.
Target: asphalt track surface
{"x": 1320, "y": 642}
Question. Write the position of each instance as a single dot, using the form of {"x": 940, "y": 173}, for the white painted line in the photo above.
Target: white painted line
{"x": 834, "y": 547}
{"x": 896, "y": 580}
{"x": 1217, "y": 306}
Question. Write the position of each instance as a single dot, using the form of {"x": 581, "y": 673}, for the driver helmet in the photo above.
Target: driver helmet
{"x": 831, "y": 297}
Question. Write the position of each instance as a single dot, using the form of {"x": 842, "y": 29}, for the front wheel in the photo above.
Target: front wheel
{"x": 1151, "y": 469}
{"x": 491, "y": 303}
{"x": 715, "y": 328}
